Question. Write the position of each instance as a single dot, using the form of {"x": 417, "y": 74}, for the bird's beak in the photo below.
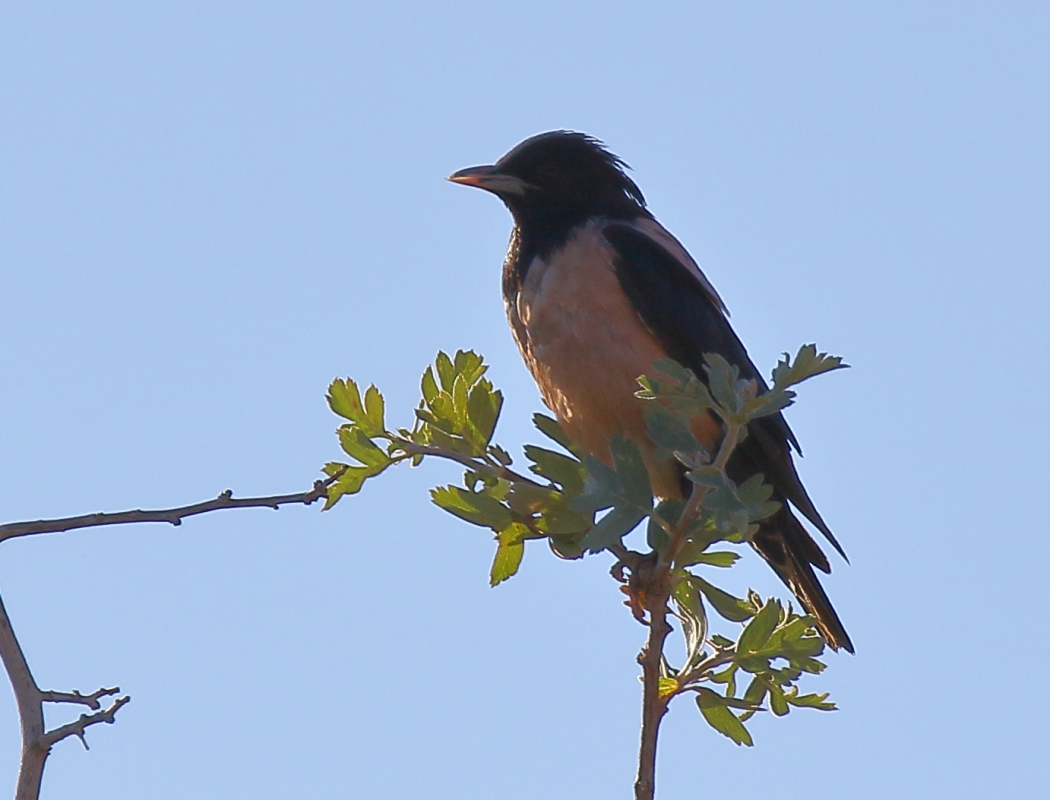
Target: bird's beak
{"x": 491, "y": 180}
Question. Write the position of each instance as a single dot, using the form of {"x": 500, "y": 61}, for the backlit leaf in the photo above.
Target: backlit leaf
{"x": 475, "y": 507}
{"x": 345, "y": 399}
{"x": 374, "y": 411}
{"x": 732, "y": 608}
{"x": 509, "y": 552}
{"x": 612, "y": 528}
{"x": 357, "y": 444}
{"x": 550, "y": 428}
{"x": 446, "y": 372}
{"x": 759, "y": 629}
{"x": 721, "y": 718}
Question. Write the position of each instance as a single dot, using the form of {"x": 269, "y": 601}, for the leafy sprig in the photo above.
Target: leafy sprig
{"x": 580, "y": 504}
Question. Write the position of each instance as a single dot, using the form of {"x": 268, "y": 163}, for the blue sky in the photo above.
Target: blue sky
{"x": 209, "y": 210}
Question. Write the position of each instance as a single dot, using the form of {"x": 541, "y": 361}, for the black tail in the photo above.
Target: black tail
{"x": 791, "y": 552}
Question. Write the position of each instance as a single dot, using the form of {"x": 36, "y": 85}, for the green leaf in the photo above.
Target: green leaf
{"x": 349, "y": 482}
{"x": 669, "y": 430}
{"x": 655, "y": 535}
{"x": 564, "y": 470}
{"x": 501, "y": 455}
{"x": 611, "y": 528}
{"x": 759, "y": 629}
{"x": 356, "y": 443}
{"x": 817, "y": 701}
{"x": 810, "y": 665}
{"x": 777, "y": 702}
{"x": 528, "y": 499}
{"x": 803, "y": 647}
{"x": 756, "y": 692}
{"x": 716, "y": 558}
{"x": 345, "y": 399}
{"x": 570, "y": 547}
{"x": 509, "y": 553}
{"x": 446, "y": 372}
{"x": 476, "y": 507}
{"x": 754, "y": 490}
{"x": 562, "y": 521}
{"x": 374, "y": 411}
{"x": 808, "y": 363}
{"x": 667, "y": 687}
{"x": 459, "y": 403}
{"x": 721, "y": 380}
{"x": 470, "y": 365}
{"x": 686, "y": 394}
{"x": 769, "y": 403}
{"x": 483, "y": 407}
{"x": 726, "y": 676}
{"x": 718, "y": 715}
{"x": 672, "y": 369}
{"x": 711, "y": 477}
{"x": 732, "y": 608}
{"x": 550, "y": 428}
{"x": 694, "y": 618}
{"x": 631, "y": 471}
{"x": 429, "y": 386}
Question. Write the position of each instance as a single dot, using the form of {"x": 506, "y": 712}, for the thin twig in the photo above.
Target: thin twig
{"x": 173, "y": 516}
{"x": 89, "y": 700}
{"x": 78, "y": 727}
{"x": 471, "y": 462}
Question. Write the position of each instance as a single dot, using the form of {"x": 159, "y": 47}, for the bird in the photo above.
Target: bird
{"x": 596, "y": 290}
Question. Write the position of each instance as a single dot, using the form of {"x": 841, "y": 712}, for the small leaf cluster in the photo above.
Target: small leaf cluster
{"x": 775, "y": 648}
{"x": 357, "y": 438}
{"x": 455, "y": 419}
{"x": 581, "y": 504}
{"x": 518, "y": 508}
{"x": 733, "y": 399}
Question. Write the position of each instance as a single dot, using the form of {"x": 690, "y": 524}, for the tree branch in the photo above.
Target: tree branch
{"x": 36, "y": 740}
{"x": 173, "y": 516}
{"x": 77, "y": 728}
{"x": 89, "y": 700}
{"x": 653, "y": 582}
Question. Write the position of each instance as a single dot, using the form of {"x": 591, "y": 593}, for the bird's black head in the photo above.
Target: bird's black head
{"x": 554, "y": 181}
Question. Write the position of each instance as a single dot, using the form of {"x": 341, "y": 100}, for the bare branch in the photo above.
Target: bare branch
{"x": 89, "y": 700}
{"x": 30, "y": 699}
{"x": 77, "y": 728}
{"x": 173, "y": 516}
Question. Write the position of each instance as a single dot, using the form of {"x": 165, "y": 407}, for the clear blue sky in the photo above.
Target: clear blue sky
{"x": 210, "y": 209}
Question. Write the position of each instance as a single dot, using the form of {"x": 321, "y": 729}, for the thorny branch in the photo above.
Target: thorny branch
{"x": 30, "y": 698}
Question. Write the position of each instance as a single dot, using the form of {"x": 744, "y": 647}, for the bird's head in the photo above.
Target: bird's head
{"x": 559, "y": 179}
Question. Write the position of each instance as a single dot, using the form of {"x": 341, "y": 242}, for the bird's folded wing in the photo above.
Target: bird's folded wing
{"x": 678, "y": 304}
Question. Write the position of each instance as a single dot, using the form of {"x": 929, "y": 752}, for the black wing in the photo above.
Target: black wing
{"x": 688, "y": 321}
